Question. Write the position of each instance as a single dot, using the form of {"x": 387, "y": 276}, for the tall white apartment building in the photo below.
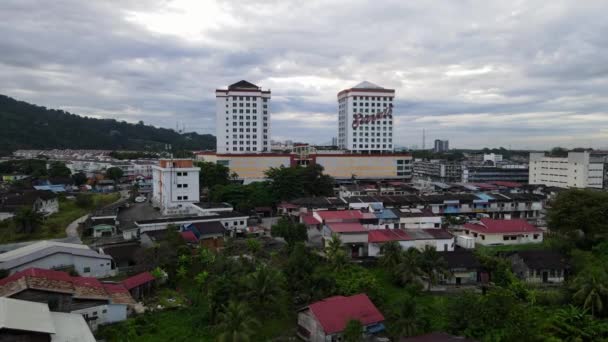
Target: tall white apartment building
{"x": 175, "y": 185}
{"x": 577, "y": 170}
{"x": 242, "y": 119}
{"x": 365, "y": 115}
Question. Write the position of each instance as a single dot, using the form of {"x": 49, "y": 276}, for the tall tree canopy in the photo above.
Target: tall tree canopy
{"x": 580, "y": 213}
{"x": 58, "y": 169}
{"x": 212, "y": 174}
{"x": 292, "y": 182}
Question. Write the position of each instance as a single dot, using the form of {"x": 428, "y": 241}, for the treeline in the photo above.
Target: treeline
{"x": 27, "y": 126}
{"x": 283, "y": 183}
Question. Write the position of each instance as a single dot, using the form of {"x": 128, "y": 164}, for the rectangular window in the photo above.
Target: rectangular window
{"x": 86, "y": 270}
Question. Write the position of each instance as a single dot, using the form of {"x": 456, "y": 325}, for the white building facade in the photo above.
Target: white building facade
{"x": 243, "y": 119}
{"x": 175, "y": 186}
{"x": 365, "y": 118}
{"x": 577, "y": 170}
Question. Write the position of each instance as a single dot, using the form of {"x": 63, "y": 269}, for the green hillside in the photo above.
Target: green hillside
{"x": 27, "y": 126}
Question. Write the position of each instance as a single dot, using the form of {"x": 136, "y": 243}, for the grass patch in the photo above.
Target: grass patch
{"x": 54, "y": 226}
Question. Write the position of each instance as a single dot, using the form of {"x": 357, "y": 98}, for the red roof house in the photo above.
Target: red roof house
{"x": 330, "y": 316}
{"x": 327, "y": 216}
{"x": 139, "y": 285}
{"x": 491, "y": 231}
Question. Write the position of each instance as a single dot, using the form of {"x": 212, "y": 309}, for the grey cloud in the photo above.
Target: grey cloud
{"x": 475, "y": 72}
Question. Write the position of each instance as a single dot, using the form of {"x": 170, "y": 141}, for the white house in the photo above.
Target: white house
{"x": 352, "y": 234}
{"x": 56, "y": 255}
{"x": 439, "y": 239}
{"x": 503, "y": 232}
{"x": 175, "y": 186}
{"x": 414, "y": 218}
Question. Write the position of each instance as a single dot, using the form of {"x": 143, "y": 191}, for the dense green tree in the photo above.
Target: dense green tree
{"x": 79, "y": 178}
{"x": 580, "y": 214}
{"x": 236, "y": 323}
{"x": 392, "y": 255}
{"x": 27, "y": 220}
{"x": 292, "y": 182}
{"x": 591, "y": 290}
{"x": 265, "y": 288}
{"x": 212, "y": 174}
{"x": 290, "y": 231}
{"x": 299, "y": 270}
{"x": 571, "y": 323}
{"x": 32, "y": 167}
{"x": 243, "y": 197}
{"x": 353, "y": 332}
{"x": 404, "y": 320}
{"x": 58, "y": 169}
{"x": 114, "y": 173}
{"x": 408, "y": 271}
{"x": 432, "y": 265}
{"x": 335, "y": 253}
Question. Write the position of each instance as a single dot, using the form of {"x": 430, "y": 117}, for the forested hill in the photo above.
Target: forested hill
{"x": 27, "y": 126}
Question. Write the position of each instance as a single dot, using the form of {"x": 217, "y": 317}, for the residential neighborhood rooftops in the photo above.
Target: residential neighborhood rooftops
{"x": 309, "y": 219}
{"x": 460, "y": 259}
{"x": 206, "y": 228}
{"x": 339, "y": 215}
{"x": 189, "y": 236}
{"x": 493, "y": 226}
{"x": 385, "y": 235}
{"x": 346, "y": 227}
{"x": 62, "y": 282}
{"x": 334, "y": 313}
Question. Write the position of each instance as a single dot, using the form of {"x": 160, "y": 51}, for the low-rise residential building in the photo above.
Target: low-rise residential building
{"x": 175, "y": 186}
{"x": 326, "y": 320}
{"x": 234, "y": 222}
{"x": 58, "y": 255}
{"x": 414, "y": 218}
{"x": 22, "y": 320}
{"x": 503, "y": 232}
{"x": 207, "y": 234}
{"x": 577, "y": 170}
{"x": 99, "y": 303}
{"x": 439, "y": 239}
{"x": 352, "y": 234}
{"x": 464, "y": 268}
{"x": 139, "y": 285}
{"x": 540, "y": 267}
{"x": 41, "y": 201}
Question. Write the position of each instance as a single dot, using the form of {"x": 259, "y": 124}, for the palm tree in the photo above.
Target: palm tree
{"x": 432, "y": 265}
{"x": 392, "y": 255}
{"x": 335, "y": 253}
{"x": 236, "y": 323}
{"x": 403, "y": 315}
{"x": 408, "y": 270}
{"x": 28, "y": 220}
{"x": 353, "y": 332}
{"x": 591, "y": 290}
{"x": 265, "y": 287}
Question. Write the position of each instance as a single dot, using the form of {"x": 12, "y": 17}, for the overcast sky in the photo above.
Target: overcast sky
{"x": 524, "y": 74}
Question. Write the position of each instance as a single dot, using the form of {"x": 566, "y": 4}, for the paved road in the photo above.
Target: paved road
{"x": 72, "y": 229}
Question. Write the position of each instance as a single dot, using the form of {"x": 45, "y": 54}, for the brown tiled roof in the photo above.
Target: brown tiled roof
{"x": 62, "y": 282}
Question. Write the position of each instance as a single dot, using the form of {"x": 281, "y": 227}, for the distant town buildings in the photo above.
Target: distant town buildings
{"x": 242, "y": 119}
{"x": 338, "y": 164}
{"x": 577, "y": 170}
{"x": 438, "y": 170}
{"x": 365, "y": 118}
{"x": 441, "y": 146}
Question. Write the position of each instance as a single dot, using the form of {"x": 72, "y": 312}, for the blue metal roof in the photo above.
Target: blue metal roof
{"x": 386, "y": 214}
{"x": 484, "y": 197}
